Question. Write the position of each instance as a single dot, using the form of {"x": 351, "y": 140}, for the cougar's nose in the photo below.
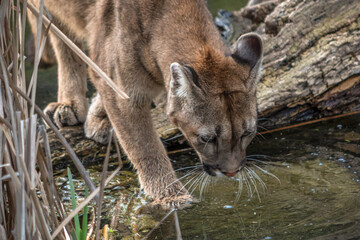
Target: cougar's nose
{"x": 228, "y": 174}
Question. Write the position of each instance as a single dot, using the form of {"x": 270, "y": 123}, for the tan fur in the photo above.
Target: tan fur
{"x": 211, "y": 90}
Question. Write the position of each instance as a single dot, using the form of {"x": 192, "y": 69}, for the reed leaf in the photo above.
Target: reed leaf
{"x": 73, "y": 202}
{"x": 85, "y": 217}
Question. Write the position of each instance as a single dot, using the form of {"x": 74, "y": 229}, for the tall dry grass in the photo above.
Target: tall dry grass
{"x": 30, "y": 206}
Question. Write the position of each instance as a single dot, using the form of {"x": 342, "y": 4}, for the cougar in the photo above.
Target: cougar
{"x": 147, "y": 47}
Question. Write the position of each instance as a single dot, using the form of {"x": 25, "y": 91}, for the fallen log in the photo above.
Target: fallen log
{"x": 311, "y": 61}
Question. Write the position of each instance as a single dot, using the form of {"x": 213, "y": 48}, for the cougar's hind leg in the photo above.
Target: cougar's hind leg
{"x": 71, "y": 106}
{"x": 97, "y": 124}
{"x": 48, "y": 57}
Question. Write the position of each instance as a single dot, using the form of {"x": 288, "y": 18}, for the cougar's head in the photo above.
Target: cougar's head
{"x": 213, "y": 101}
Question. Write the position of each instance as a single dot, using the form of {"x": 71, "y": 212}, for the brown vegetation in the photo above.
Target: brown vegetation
{"x": 30, "y": 206}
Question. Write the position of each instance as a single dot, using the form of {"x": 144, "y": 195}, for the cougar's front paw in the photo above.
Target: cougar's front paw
{"x": 170, "y": 195}
{"x": 97, "y": 128}
{"x": 177, "y": 201}
{"x": 66, "y": 114}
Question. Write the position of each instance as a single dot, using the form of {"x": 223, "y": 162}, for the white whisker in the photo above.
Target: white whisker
{"x": 259, "y": 134}
{"x": 195, "y": 183}
{"x": 262, "y": 183}
{"x": 188, "y": 183}
{"x": 264, "y": 128}
{"x": 203, "y": 185}
{"x": 186, "y": 175}
{"x": 256, "y": 160}
{"x": 268, "y": 173}
{"x": 251, "y": 178}
{"x": 208, "y": 183}
{"x": 249, "y": 190}
{"x": 195, "y": 166}
{"x": 240, "y": 189}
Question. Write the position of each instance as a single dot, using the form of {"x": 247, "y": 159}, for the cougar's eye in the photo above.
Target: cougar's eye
{"x": 247, "y": 133}
{"x": 207, "y": 139}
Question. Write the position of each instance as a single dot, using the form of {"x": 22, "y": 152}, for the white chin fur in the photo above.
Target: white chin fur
{"x": 218, "y": 173}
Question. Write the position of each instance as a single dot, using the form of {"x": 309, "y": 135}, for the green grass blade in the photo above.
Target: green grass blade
{"x": 85, "y": 217}
{"x": 73, "y": 234}
{"x": 73, "y": 201}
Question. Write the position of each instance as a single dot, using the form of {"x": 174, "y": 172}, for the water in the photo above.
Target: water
{"x": 309, "y": 202}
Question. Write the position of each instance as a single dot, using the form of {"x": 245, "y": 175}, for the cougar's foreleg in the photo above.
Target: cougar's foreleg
{"x": 133, "y": 125}
{"x": 71, "y": 106}
{"x": 97, "y": 124}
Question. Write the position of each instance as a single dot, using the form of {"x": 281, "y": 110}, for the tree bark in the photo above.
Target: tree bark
{"x": 311, "y": 61}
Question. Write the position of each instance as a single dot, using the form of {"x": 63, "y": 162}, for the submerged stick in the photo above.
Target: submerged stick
{"x": 159, "y": 223}
{"x": 177, "y": 226}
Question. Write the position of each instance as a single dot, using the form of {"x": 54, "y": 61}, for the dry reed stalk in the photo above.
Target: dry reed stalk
{"x": 30, "y": 205}
{"x": 72, "y": 154}
{"x": 23, "y": 215}
{"x": 91, "y": 228}
{"x": 102, "y": 184}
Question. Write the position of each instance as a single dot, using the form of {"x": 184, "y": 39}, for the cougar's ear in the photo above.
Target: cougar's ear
{"x": 249, "y": 50}
{"x": 180, "y": 85}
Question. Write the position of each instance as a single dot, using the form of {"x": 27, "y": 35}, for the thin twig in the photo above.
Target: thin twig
{"x": 102, "y": 184}
{"x": 159, "y": 223}
{"x": 177, "y": 226}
